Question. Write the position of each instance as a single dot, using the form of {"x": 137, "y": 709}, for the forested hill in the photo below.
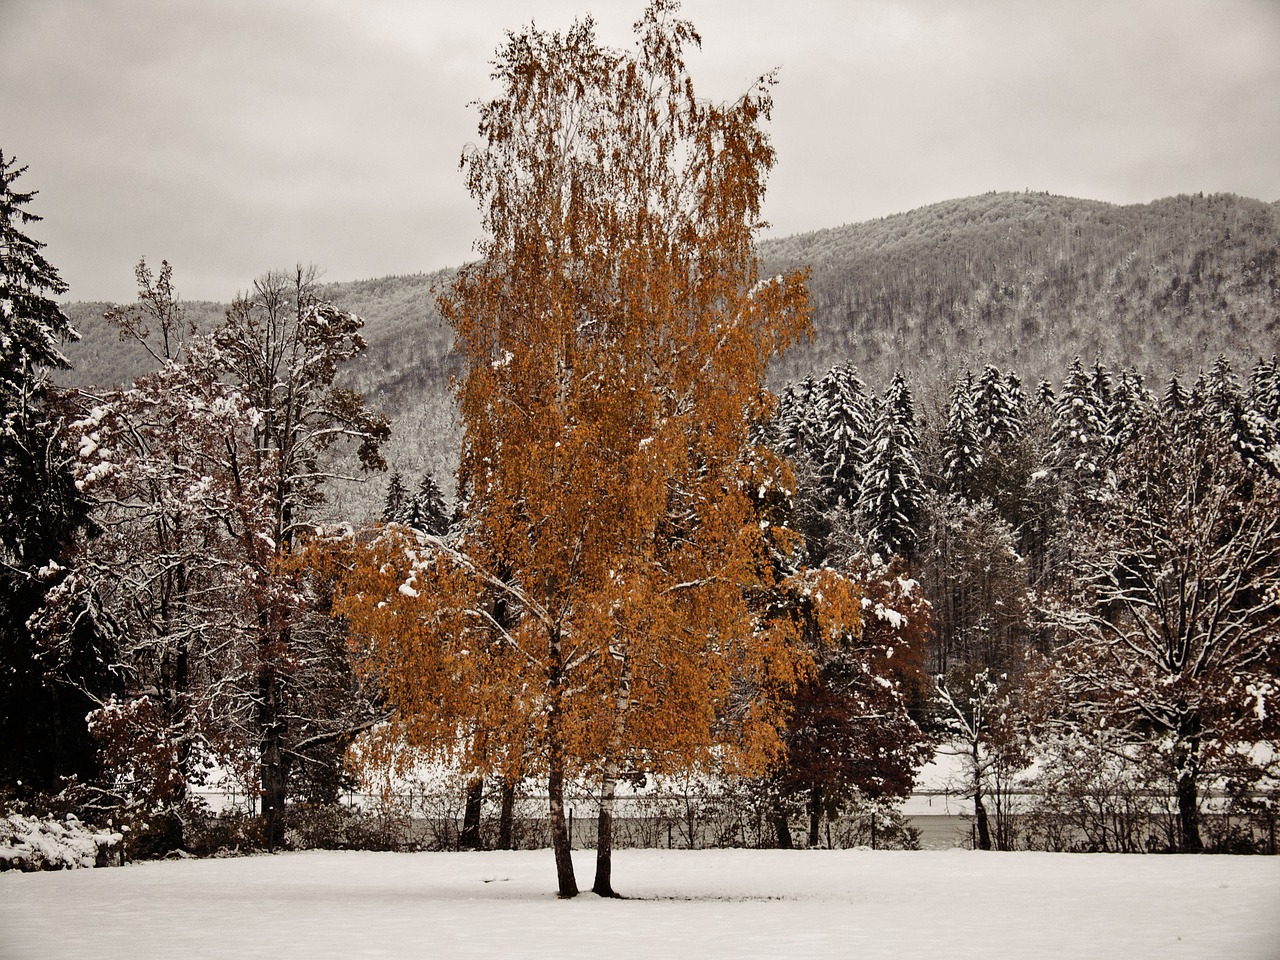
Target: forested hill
{"x": 1023, "y": 280}
{"x": 1027, "y": 281}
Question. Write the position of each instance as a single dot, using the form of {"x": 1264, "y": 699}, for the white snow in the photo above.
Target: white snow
{"x": 706, "y": 904}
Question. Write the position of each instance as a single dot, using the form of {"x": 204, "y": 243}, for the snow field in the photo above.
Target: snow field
{"x": 704, "y": 904}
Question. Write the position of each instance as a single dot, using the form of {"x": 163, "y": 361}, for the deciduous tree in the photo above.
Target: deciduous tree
{"x": 615, "y": 334}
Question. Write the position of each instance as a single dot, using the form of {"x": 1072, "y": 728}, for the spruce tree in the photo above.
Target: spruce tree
{"x": 397, "y": 499}
{"x": 892, "y": 486}
{"x": 843, "y": 437}
{"x": 45, "y": 682}
{"x": 425, "y": 510}
{"x": 961, "y": 453}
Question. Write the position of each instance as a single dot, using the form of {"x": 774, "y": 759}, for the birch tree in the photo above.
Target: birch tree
{"x": 615, "y": 333}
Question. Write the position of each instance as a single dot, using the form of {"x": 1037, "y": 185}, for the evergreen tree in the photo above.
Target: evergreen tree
{"x": 997, "y": 404}
{"x": 1081, "y": 438}
{"x": 1225, "y": 406}
{"x": 892, "y": 486}
{"x": 397, "y": 499}
{"x": 843, "y": 437}
{"x": 1264, "y": 389}
{"x": 1129, "y": 402}
{"x": 1175, "y": 397}
{"x": 961, "y": 452}
{"x": 45, "y": 689}
{"x": 425, "y": 510}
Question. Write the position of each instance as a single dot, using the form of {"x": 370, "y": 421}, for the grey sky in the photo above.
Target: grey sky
{"x": 237, "y": 136}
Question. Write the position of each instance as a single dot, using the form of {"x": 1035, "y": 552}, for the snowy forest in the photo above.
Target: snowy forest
{"x": 651, "y": 577}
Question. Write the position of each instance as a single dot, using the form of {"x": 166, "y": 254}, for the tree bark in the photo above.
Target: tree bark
{"x": 561, "y": 842}
{"x": 1187, "y": 788}
{"x": 603, "y": 885}
{"x": 507, "y": 816}
{"x": 815, "y": 814}
{"x": 566, "y": 883}
{"x": 980, "y": 815}
{"x": 781, "y": 827}
{"x": 272, "y": 771}
{"x": 469, "y": 838}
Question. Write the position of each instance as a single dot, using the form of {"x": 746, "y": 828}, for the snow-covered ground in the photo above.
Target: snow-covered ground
{"x": 703, "y": 904}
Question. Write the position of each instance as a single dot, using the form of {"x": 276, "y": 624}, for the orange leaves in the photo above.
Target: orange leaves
{"x": 609, "y": 604}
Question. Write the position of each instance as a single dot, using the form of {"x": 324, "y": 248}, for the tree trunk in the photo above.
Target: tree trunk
{"x": 980, "y": 815}
{"x": 272, "y": 770}
{"x": 781, "y": 827}
{"x": 1187, "y": 767}
{"x": 566, "y": 883}
{"x": 469, "y": 838}
{"x": 815, "y": 815}
{"x": 561, "y": 842}
{"x": 507, "y": 816}
{"x": 603, "y": 885}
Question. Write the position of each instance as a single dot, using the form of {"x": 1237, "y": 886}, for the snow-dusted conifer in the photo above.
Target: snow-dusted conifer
{"x": 43, "y": 694}
{"x": 844, "y": 432}
{"x": 397, "y": 498}
{"x": 425, "y": 510}
{"x": 997, "y": 407}
{"x": 961, "y": 448}
{"x": 892, "y": 485}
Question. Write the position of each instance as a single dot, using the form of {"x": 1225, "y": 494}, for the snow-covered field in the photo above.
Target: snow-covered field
{"x": 702, "y": 904}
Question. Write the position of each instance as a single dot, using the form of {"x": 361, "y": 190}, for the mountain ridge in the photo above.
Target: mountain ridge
{"x": 1022, "y": 280}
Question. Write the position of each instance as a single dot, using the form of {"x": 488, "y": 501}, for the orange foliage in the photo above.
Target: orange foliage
{"x": 602, "y": 602}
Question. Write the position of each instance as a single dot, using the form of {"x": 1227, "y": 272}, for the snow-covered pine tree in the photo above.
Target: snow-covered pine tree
{"x": 1046, "y": 399}
{"x": 892, "y": 486}
{"x": 44, "y": 695}
{"x": 1081, "y": 430}
{"x": 1175, "y": 397}
{"x": 1264, "y": 389}
{"x": 843, "y": 437}
{"x": 1225, "y": 405}
{"x": 961, "y": 450}
{"x": 1130, "y": 400}
{"x": 425, "y": 510}
{"x": 997, "y": 407}
{"x": 798, "y": 423}
{"x": 397, "y": 498}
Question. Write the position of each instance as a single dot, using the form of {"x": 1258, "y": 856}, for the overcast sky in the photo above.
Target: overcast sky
{"x": 237, "y": 136}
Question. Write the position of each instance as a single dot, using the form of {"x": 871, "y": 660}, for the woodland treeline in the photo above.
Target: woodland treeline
{"x": 647, "y": 565}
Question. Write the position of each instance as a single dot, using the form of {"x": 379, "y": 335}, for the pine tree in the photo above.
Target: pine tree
{"x": 961, "y": 451}
{"x": 892, "y": 485}
{"x": 425, "y": 510}
{"x": 843, "y": 434}
{"x": 397, "y": 499}
{"x": 1081, "y": 437}
{"x": 1224, "y": 405}
{"x": 1175, "y": 397}
{"x": 1129, "y": 403}
{"x": 1264, "y": 389}
{"x": 45, "y": 692}
{"x": 997, "y": 407}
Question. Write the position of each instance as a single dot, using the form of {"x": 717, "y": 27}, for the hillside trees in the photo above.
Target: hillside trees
{"x": 615, "y": 336}
{"x": 44, "y": 693}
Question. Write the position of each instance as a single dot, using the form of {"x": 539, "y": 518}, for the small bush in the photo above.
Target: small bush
{"x": 30, "y": 843}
